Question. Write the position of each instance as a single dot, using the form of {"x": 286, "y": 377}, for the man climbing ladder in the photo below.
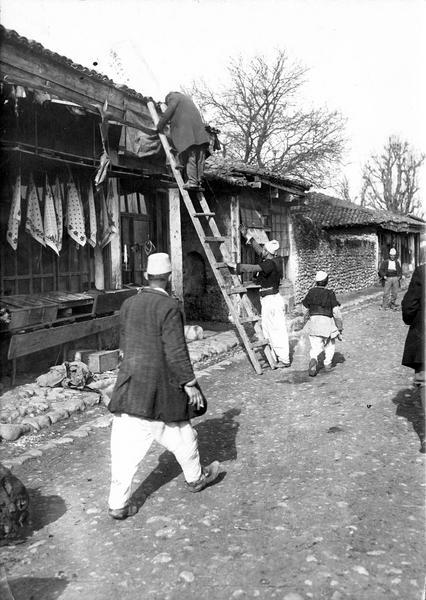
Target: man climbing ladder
{"x": 234, "y": 293}
{"x": 189, "y": 136}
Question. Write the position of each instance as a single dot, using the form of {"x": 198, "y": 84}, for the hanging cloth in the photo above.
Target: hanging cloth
{"x": 50, "y": 223}
{"x": 75, "y": 215}
{"x": 15, "y": 214}
{"x": 92, "y": 217}
{"x": 108, "y": 226}
{"x": 34, "y": 223}
{"x": 58, "y": 195}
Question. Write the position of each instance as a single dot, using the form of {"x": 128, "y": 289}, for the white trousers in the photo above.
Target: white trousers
{"x": 131, "y": 438}
{"x": 318, "y": 344}
{"x": 274, "y": 325}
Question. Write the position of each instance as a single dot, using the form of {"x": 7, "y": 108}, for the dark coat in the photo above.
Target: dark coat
{"x": 186, "y": 125}
{"x": 413, "y": 314}
{"x": 383, "y": 269}
{"x": 156, "y": 362}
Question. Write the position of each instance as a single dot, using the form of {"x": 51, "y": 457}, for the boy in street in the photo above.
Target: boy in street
{"x": 322, "y": 310}
{"x": 390, "y": 272}
{"x": 155, "y": 390}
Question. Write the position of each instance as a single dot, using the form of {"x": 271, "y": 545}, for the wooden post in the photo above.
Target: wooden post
{"x": 99, "y": 269}
{"x": 176, "y": 243}
{"x": 116, "y": 280}
{"x": 235, "y": 229}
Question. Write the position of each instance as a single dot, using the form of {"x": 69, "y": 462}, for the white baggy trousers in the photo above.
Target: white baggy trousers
{"x": 131, "y": 438}
{"x": 274, "y": 325}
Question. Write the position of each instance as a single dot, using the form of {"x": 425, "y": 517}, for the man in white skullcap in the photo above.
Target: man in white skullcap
{"x": 269, "y": 272}
{"x": 390, "y": 272}
{"x": 156, "y": 392}
{"x": 325, "y": 321}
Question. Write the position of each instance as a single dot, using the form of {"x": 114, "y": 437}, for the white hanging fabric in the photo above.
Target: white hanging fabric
{"x": 34, "y": 221}
{"x": 58, "y": 195}
{"x": 92, "y": 217}
{"x": 50, "y": 222}
{"x": 15, "y": 214}
{"x": 75, "y": 215}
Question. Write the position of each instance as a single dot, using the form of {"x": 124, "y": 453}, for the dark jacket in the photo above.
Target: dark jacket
{"x": 384, "y": 269}
{"x": 320, "y": 301}
{"x": 413, "y": 314}
{"x": 156, "y": 362}
{"x": 186, "y": 125}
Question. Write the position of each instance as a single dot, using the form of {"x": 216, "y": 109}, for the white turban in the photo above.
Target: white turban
{"x": 271, "y": 246}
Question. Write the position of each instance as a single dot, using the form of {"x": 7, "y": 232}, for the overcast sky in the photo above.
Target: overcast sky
{"x": 366, "y": 58}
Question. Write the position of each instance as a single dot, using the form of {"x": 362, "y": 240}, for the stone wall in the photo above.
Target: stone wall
{"x": 350, "y": 258}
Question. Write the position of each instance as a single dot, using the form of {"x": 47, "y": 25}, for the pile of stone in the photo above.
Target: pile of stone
{"x": 31, "y": 407}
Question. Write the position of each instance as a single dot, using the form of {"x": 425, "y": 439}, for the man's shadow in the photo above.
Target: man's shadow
{"x": 48, "y": 588}
{"x": 409, "y": 405}
{"x": 216, "y": 441}
{"x": 42, "y": 511}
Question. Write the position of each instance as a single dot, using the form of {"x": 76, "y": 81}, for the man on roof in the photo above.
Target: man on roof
{"x": 188, "y": 134}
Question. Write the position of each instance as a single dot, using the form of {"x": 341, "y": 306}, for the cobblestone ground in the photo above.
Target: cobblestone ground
{"x": 321, "y": 495}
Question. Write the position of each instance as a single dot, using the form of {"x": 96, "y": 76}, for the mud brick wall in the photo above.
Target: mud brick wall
{"x": 349, "y": 258}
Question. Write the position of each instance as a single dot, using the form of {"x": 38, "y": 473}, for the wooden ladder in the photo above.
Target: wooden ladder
{"x": 234, "y": 293}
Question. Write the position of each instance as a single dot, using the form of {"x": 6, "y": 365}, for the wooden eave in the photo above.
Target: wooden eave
{"x": 21, "y": 64}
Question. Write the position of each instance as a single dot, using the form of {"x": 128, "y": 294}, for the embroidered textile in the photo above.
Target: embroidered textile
{"x": 92, "y": 218}
{"x": 75, "y": 215}
{"x": 50, "y": 223}
{"x": 58, "y": 195}
{"x": 15, "y": 215}
{"x": 34, "y": 222}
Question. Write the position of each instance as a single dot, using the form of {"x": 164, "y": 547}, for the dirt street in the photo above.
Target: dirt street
{"x": 321, "y": 495}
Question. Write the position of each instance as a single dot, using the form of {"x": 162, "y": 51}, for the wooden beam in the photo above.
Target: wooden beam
{"x": 176, "y": 242}
{"x": 22, "y": 344}
{"x": 116, "y": 265}
{"x": 235, "y": 229}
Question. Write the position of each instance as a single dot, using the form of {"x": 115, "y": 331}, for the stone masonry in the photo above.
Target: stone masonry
{"x": 350, "y": 259}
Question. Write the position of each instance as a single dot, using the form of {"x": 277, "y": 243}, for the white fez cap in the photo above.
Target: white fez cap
{"x": 158, "y": 263}
{"x": 271, "y": 246}
{"x": 321, "y": 275}
{"x": 392, "y": 251}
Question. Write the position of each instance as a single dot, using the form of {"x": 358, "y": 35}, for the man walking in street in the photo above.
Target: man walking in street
{"x": 326, "y": 324}
{"x": 155, "y": 390}
{"x": 390, "y": 272}
{"x": 188, "y": 134}
{"x": 269, "y": 272}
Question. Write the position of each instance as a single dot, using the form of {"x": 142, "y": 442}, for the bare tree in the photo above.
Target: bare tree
{"x": 342, "y": 189}
{"x": 263, "y": 125}
{"x": 390, "y": 179}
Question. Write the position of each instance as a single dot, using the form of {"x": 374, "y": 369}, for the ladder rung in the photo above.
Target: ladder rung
{"x": 252, "y": 319}
{"x": 220, "y": 265}
{"x": 235, "y": 290}
{"x": 214, "y": 239}
{"x": 204, "y": 214}
{"x": 259, "y": 344}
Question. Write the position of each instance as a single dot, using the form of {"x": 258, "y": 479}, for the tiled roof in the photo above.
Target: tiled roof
{"x": 242, "y": 175}
{"x": 332, "y": 212}
{"x": 37, "y": 48}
